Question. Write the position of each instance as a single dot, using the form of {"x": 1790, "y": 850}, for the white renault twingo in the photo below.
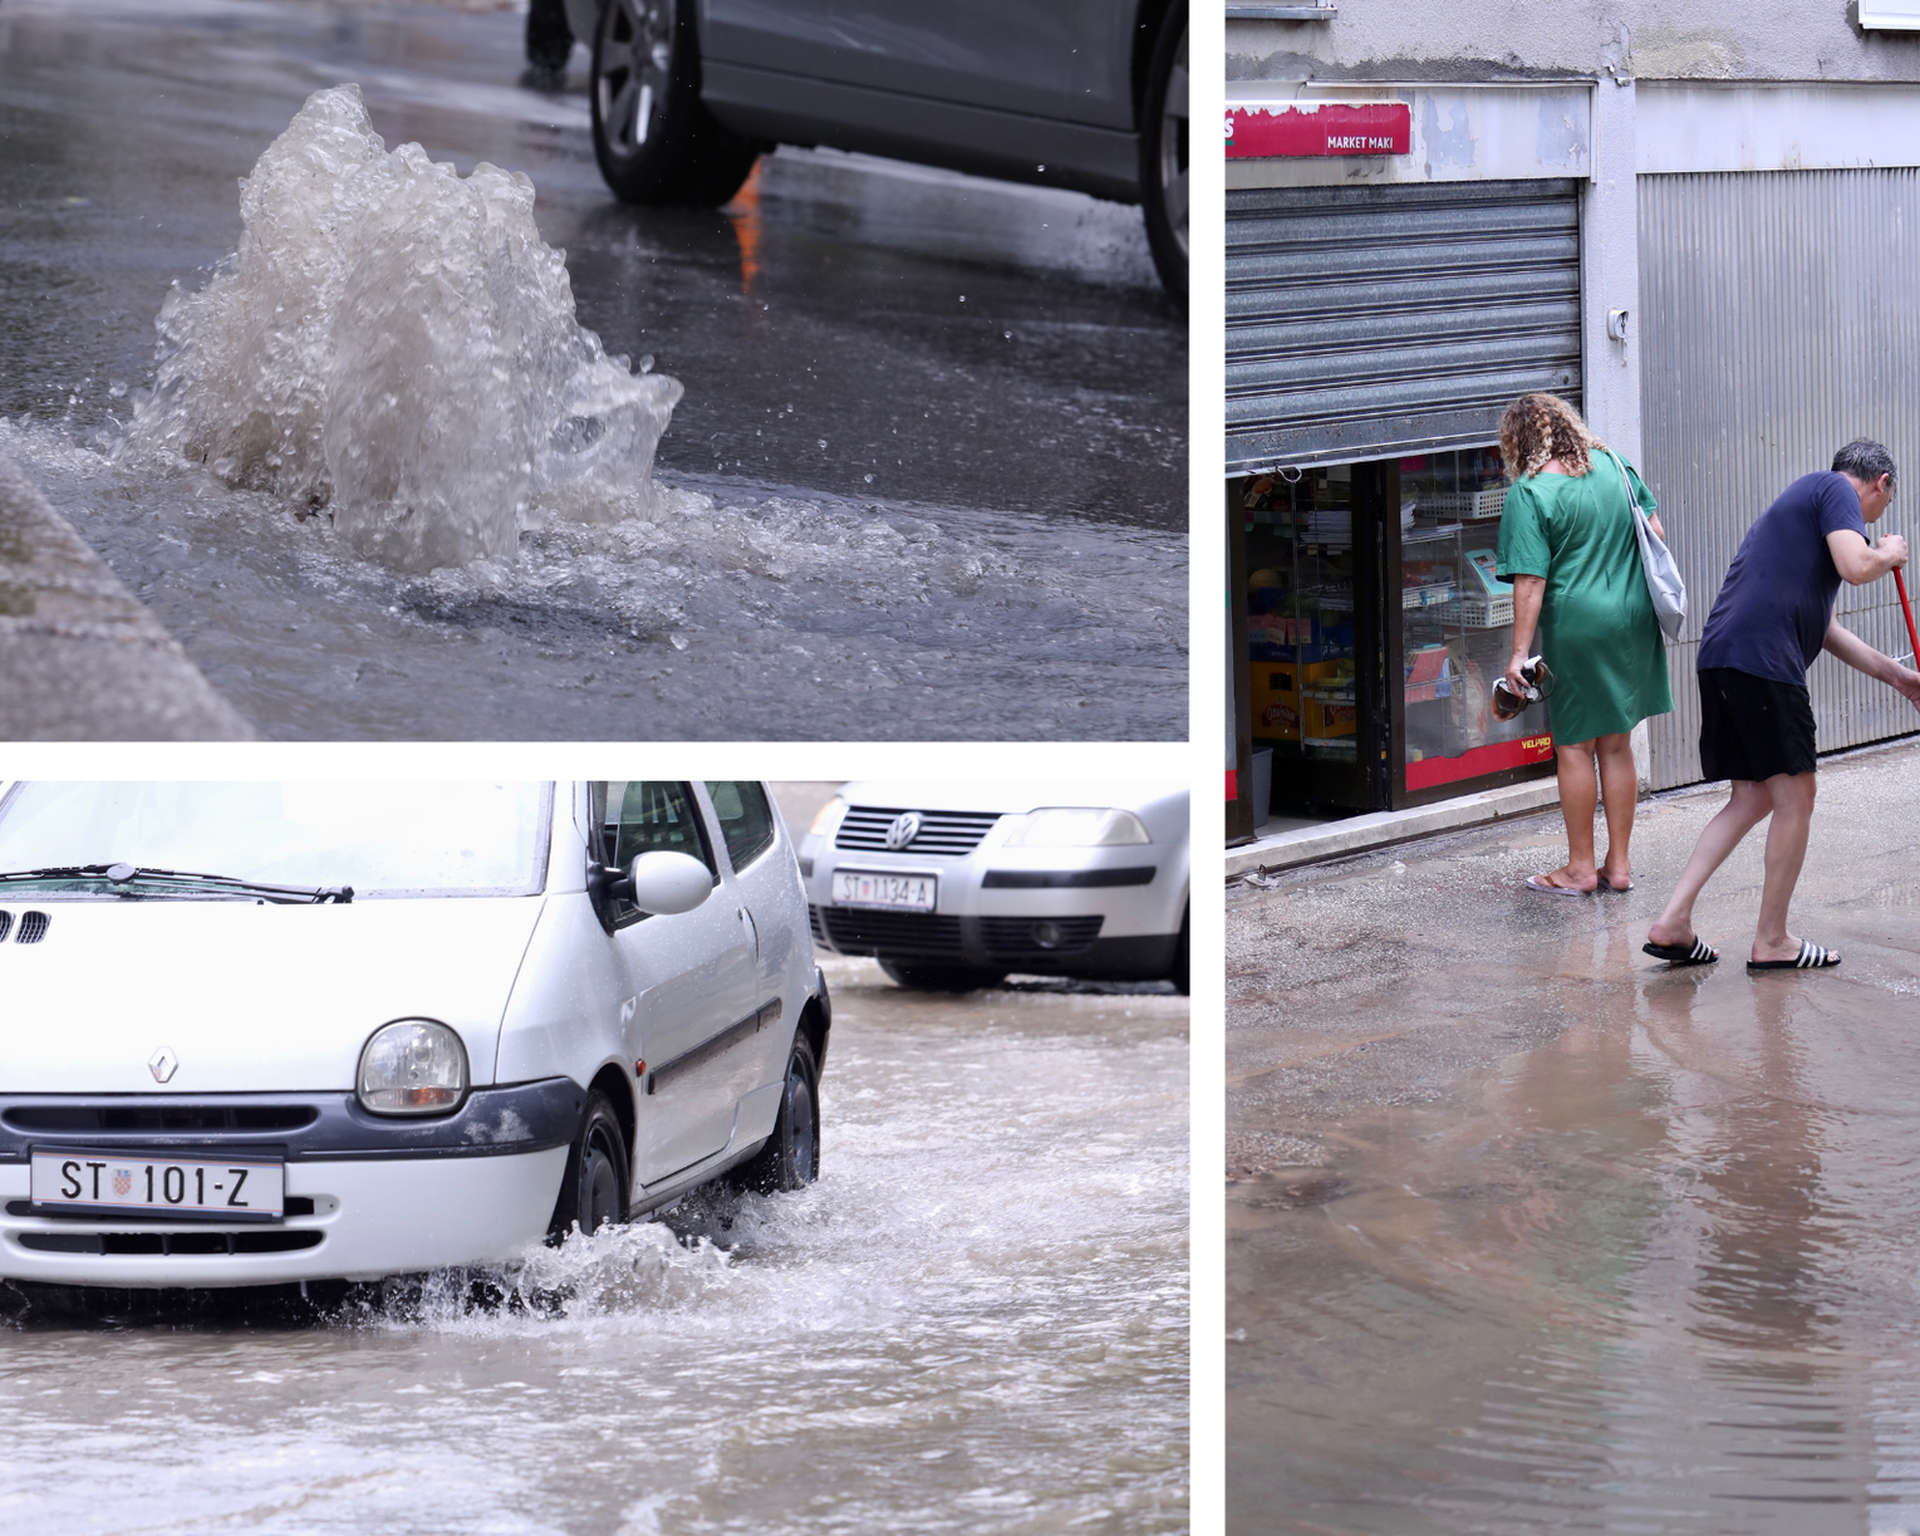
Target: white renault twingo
{"x": 256, "y": 1033}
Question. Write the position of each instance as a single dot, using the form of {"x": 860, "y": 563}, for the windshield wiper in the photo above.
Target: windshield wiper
{"x": 158, "y": 881}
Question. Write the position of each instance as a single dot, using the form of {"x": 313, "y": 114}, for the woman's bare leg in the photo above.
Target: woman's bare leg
{"x": 1619, "y": 791}
{"x": 1579, "y": 793}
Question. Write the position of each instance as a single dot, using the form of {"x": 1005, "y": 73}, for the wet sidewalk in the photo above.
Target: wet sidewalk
{"x": 81, "y": 659}
{"x": 1526, "y": 1231}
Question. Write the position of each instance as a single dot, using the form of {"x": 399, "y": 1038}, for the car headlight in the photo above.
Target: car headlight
{"x": 1074, "y": 827}
{"x": 828, "y": 821}
{"x": 412, "y": 1067}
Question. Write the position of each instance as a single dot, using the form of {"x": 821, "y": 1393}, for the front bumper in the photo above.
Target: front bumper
{"x": 1045, "y": 945}
{"x": 365, "y": 1197}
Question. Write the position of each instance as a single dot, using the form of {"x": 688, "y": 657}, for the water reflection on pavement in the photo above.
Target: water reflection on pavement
{"x": 976, "y": 1320}
{"x": 1652, "y": 1271}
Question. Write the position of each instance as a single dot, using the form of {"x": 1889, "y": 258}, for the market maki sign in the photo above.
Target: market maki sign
{"x": 1298, "y": 128}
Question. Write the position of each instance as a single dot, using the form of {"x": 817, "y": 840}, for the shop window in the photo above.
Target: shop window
{"x": 1457, "y": 624}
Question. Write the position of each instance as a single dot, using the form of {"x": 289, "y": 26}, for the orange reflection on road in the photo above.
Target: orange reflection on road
{"x": 744, "y": 211}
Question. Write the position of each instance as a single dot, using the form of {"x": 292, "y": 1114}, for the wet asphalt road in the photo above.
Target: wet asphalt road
{"x": 845, "y": 326}
{"x": 1527, "y": 1231}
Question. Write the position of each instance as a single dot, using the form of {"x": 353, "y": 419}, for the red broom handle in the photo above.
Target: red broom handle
{"x": 1900, "y": 586}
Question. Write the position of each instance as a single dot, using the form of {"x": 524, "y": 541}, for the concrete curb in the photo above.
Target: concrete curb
{"x": 81, "y": 658}
{"x": 1357, "y": 834}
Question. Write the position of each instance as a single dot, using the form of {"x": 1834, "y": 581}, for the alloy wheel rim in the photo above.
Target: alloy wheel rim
{"x": 1173, "y": 146}
{"x": 635, "y": 72}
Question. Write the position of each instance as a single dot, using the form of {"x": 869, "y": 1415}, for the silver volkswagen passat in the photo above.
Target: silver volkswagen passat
{"x": 953, "y": 886}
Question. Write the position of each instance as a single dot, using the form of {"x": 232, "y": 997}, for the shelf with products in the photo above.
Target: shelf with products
{"x": 1301, "y": 618}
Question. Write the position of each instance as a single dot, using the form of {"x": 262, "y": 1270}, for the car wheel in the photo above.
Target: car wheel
{"x": 594, "y": 1189}
{"x": 791, "y": 1158}
{"x": 1179, "y": 975}
{"x": 941, "y": 978}
{"x": 549, "y": 37}
{"x": 1163, "y": 151}
{"x": 655, "y": 140}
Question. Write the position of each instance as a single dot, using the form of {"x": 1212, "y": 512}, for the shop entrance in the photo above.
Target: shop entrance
{"x": 1375, "y": 626}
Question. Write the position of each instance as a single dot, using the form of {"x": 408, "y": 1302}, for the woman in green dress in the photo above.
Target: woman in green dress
{"x": 1568, "y": 545}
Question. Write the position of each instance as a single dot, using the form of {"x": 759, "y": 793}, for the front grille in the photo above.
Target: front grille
{"x": 944, "y": 834}
{"x": 1010, "y": 936}
{"x": 245, "y": 1119}
{"x": 33, "y": 928}
{"x": 181, "y": 1243}
{"x": 6, "y": 923}
{"x": 912, "y": 933}
{"x": 819, "y": 928}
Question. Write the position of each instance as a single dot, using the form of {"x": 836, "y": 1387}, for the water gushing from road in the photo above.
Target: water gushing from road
{"x": 975, "y": 1321}
{"x": 396, "y": 343}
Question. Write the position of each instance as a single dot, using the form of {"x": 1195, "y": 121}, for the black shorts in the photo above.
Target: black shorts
{"x": 1753, "y": 727}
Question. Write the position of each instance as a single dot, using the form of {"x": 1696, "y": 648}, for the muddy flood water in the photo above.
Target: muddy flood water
{"x": 1564, "y": 1240}
{"x": 975, "y": 1321}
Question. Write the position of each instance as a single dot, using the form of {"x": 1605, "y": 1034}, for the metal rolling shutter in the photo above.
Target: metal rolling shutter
{"x": 1364, "y": 322}
{"x": 1766, "y": 343}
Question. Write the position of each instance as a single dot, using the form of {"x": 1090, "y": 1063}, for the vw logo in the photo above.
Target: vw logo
{"x": 905, "y": 828}
{"x": 161, "y": 1063}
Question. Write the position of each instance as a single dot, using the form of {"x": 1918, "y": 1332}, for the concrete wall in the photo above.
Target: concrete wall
{"x": 1513, "y": 40}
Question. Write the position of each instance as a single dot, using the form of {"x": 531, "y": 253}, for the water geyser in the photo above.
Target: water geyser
{"x": 396, "y": 343}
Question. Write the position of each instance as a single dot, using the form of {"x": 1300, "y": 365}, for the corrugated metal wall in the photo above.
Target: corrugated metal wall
{"x": 1364, "y": 322}
{"x": 1779, "y": 318}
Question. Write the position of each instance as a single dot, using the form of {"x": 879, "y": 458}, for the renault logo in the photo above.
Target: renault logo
{"x": 161, "y": 1063}
{"x": 905, "y": 829}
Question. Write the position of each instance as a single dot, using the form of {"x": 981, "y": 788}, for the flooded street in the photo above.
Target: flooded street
{"x": 976, "y": 1320}
{"x": 1527, "y": 1232}
{"x": 927, "y": 480}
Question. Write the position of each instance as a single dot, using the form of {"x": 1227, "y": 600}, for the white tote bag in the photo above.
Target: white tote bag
{"x": 1664, "y": 586}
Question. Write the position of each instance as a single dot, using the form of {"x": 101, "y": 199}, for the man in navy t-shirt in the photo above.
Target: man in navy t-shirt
{"x": 1773, "y": 616}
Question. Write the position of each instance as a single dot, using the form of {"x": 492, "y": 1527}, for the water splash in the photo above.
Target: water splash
{"x": 396, "y": 343}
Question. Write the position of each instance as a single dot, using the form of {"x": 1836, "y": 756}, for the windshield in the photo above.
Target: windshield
{"x": 381, "y": 839}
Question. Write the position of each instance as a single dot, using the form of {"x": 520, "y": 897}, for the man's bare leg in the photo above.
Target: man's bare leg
{"x": 1746, "y": 808}
{"x": 1791, "y": 795}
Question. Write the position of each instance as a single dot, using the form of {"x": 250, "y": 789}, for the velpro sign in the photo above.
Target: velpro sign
{"x": 1298, "y": 128}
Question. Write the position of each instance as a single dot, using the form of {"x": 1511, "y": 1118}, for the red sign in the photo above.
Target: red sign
{"x": 1492, "y": 758}
{"x": 1319, "y": 128}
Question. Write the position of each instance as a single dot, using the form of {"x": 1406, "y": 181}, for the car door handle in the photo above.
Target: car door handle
{"x": 753, "y": 931}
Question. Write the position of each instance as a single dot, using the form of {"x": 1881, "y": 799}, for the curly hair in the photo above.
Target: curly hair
{"x": 1537, "y": 428}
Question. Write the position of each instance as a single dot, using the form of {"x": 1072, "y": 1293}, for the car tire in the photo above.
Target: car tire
{"x": 654, "y": 138}
{"x": 549, "y": 37}
{"x": 593, "y": 1191}
{"x": 791, "y": 1157}
{"x": 1180, "y": 974}
{"x": 941, "y": 978}
{"x": 1163, "y": 151}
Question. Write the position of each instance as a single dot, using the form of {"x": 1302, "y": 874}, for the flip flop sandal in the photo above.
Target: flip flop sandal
{"x": 1699, "y": 952}
{"x": 1542, "y": 884}
{"x": 1811, "y": 958}
{"x": 1608, "y": 885}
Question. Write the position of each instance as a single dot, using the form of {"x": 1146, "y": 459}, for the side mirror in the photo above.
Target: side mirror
{"x": 664, "y": 882}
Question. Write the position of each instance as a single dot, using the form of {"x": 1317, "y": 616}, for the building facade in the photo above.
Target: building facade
{"x": 1700, "y": 229}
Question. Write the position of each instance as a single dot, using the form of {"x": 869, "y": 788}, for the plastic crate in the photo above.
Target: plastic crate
{"x": 1476, "y": 612}
{"x": 1426, "y": 597}
{"x": 1468, "y": 506}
